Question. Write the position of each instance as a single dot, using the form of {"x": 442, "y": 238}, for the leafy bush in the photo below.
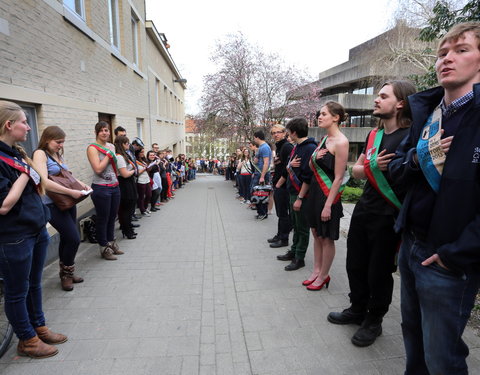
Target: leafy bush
{"x": 354, "y": 182}
{"x": 351, "y": 194}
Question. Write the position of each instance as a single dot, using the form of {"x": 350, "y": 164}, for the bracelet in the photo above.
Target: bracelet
{"x": 300, "y": 198}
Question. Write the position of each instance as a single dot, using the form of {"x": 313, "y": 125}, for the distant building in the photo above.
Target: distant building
{"x": 202, "y": 145}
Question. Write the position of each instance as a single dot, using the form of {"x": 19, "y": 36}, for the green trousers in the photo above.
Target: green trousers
{"x": 301, "y": 231}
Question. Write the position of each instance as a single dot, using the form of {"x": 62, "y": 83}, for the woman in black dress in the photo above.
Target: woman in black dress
{"x": 324, "y": 208}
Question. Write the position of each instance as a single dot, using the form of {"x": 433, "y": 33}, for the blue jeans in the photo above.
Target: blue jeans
{"x": 435, "y": 304}
{"x": 21, "y": 264}
{"x": 106, "y": 200}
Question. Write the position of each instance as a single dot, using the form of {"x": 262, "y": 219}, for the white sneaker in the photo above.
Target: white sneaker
{"x": 145, "y": 214}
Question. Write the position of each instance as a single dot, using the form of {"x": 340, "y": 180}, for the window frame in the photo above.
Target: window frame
{"x": 135, "y": 45}
{"x": 114, "y": 24}
{"x": 74, "y": 10}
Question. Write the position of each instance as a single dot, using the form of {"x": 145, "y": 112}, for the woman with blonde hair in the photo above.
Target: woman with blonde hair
{"x": 23, "y": 238}
{"x": 49, "y": 159}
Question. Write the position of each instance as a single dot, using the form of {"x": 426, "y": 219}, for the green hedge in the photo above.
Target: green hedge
{"x": 351, "y": 194}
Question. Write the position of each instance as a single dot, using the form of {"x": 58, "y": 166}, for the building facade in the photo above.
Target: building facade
{"x": 72, "y": 63}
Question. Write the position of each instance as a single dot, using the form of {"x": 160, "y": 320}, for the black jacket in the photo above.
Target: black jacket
{"x": 454, "y": 229}
{"x": 304, "y": 151}
{"x": 29, "y": 215}
{"x": 284, "y": 148}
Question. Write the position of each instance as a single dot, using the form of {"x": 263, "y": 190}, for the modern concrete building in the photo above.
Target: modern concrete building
{"x": 72, "y": 63}
{"x": 355, "y": 82}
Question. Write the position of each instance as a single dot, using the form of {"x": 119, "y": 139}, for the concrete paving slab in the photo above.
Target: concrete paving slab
{"x": 201, "y": 292}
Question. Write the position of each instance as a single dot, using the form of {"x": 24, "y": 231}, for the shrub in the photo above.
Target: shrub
{"x": 353, "y": 182}
{"x": 351, "y": 194}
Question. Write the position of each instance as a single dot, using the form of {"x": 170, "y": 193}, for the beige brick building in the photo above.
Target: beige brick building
{"x": 72, "y": 62}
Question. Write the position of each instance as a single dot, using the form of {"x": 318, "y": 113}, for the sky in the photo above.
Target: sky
{"x": 313, "y": 35}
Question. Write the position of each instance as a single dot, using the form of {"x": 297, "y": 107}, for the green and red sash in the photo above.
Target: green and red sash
{"x": 322, "y": 178}
{"x": 107, "y": 152}
{"x": 374, "y": 174}
{"x": 296, "y": 183}
{"x": 22, "y": 168}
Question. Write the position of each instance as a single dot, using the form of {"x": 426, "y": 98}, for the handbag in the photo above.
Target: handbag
{"x": 65, "y": 178}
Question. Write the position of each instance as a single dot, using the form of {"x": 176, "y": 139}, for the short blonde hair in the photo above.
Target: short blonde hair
{"x": 279, "y": 127}
{"x": 458, "y": 30}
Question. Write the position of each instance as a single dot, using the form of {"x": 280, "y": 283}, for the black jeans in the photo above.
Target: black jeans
{"x": 282, "y": 207}
{"x": 106, "y": 200}
{"x": 371, "y": 248}
{"x": 125, "y": 211}
{"x": 65, "y": 222}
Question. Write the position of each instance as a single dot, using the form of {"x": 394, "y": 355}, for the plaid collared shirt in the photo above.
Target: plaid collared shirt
{"x": 448, "y": 110}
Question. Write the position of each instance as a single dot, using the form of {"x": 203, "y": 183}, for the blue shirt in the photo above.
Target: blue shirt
{"x": 263, "y": 152}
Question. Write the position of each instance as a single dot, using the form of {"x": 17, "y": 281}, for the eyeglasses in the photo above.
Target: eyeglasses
{"x": 278, "y": 132}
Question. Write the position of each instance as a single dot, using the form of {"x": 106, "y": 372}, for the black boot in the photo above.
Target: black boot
{"x": 347, "y": 316}
{"x": 289, "y": 255}
{"x": 295, "y": 265}
{"x": 273, "y": 239}
{"x": 369, "y": 331}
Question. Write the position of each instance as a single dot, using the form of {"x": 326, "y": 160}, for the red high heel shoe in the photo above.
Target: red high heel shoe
{"x": 325, "y": 283}
{"x": 308, "y": 282}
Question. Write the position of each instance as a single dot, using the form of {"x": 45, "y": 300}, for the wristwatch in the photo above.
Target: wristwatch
{"x": 299, "y": 197}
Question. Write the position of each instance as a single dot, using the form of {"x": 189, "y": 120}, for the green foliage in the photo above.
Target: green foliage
{"x": 442, "y": 21}
{"x": 351, "y": 194}
{"x": 354, "y": 182}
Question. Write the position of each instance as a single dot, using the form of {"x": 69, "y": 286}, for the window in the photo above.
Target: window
{"x": 157, "y": 95}
{"x": 140, "y": 128}
{"x": 76, "y": 6}
{"x": 114, "y": 23}
{"x": 134, "y": 24}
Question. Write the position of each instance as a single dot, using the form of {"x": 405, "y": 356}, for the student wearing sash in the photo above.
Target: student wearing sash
{"x": 128, "y": 188}
{"x": 106, "y": 193}
{"x": 372, "y": 243}
{"x": 324, "y": 207}
{"x": 49, "y": 159}
{"x": 279, "y": 183}
{"x": 298, "y": 183}
{"x": 23, "y": 238}
{"x": 438, "y": 162}
{"x": 245, "y": 171}
{"x": 261, "y": 174}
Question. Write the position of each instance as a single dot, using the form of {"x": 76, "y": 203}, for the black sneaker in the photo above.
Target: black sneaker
{"x": 273, "y": 239}
{"x": 295, "y": 265}
{"x": 367, "y": 333}
{"x": 262, "y": 217}
{"x": 279, "y": 243}
{"x": 289, "y": 255}
{"x": 347, "y": 316}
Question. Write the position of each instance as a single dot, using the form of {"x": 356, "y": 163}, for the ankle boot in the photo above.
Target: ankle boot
{"x": 76, "y": 279}
{"x": 35, "y": 348}
{"x": 116, "y": 250}
{"x": 107, "y": 253}
{"x": 66, "y": 277}
{"x": 49, "y": 337}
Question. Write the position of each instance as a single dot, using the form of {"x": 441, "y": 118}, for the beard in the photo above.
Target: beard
{"x": 383, "y": 116}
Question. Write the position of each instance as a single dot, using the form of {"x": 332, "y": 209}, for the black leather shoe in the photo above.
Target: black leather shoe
{"x": 279, "y": 243}
{"x": 273, "y": 239}
{"x": 295, "y": 265}
{"x": 347, "y": 316}
{"x": 289, "y": 255}
{"x": 367, "y": 333}
{"x": 135, "y": 225}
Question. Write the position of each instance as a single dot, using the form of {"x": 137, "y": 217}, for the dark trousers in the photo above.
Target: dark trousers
{"x": 227, "y": 173}
{"x": 65, "y": 222}
{"x": 125, "y": 211}
{"x": 371, "y": 248}
{"x": 144, "y": 195}
{"x": 282, "y": 208}
{"x": 163, "y": 193}
{"x": 301, "y": 231}
{"x": 106, "y": 200}
{"x": 244, "y": 185}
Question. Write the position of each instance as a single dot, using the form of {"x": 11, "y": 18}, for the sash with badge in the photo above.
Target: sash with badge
{"x": 22, "y": 168}
{"x": 322, "y": 178}
{"x": 374, "y": 174}
{"x": 296, "y": 183}
{"x": 431, "y": 156}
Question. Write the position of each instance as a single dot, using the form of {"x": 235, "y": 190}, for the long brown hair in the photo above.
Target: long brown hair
{"x": 120, "y": 140}
{"x": 402, "y": 90}
{"x": 49, "y": 134}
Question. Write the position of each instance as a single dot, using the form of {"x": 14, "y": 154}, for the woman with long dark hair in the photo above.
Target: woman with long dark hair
{"x": 49, "y": 159}
{"x": 144, "y": 188}
{"x": 128, "y": 189}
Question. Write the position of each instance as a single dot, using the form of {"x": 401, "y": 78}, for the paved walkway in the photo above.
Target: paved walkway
{"x": 200, "y": 292}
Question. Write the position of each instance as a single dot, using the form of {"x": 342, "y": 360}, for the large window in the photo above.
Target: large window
{"x": 114, "y": 23}
{"x": 134, "y": 24}
{"x": 76, "y": 6}
{"x": 31, "y": 143}
{"x": 157, "y": 96}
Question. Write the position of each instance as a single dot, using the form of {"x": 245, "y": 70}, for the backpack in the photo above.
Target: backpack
{"x": 89, "y": 229}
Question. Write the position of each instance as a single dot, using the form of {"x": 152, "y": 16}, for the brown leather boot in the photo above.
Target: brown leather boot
{"x": 107, "y": 253}
{"x": 35, "y": 348}
{"x": 50, "y": 337}
{"x": 66, "y": 277}
{"x": 115, "y": 248}
{"x": 76, "y": 279}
